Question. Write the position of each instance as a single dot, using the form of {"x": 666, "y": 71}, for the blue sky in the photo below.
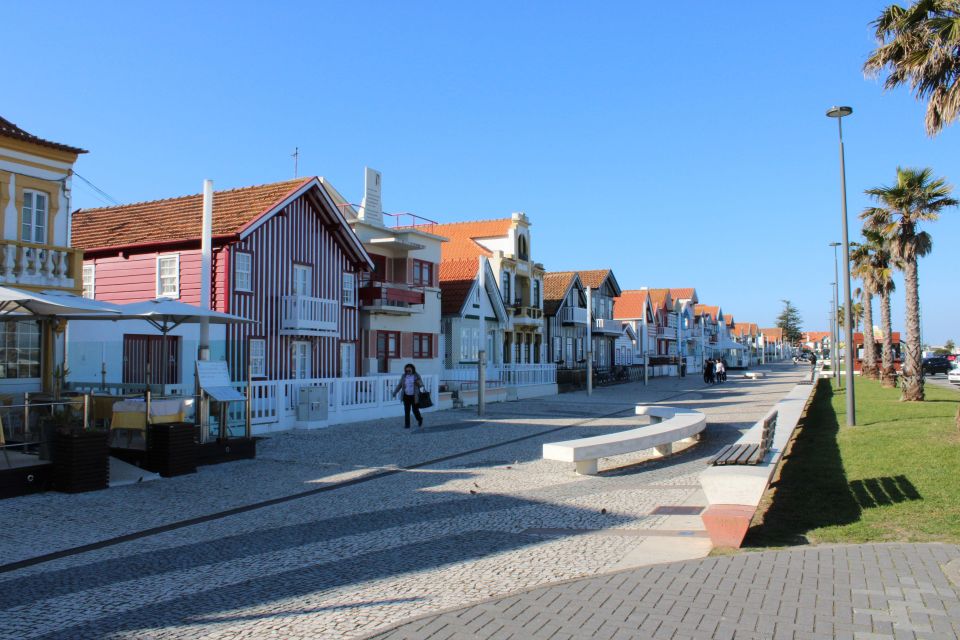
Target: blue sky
{"x": 679, "y": 148}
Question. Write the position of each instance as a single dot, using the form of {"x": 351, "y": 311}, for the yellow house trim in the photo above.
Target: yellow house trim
{"x": 49, "y": 187}
{"x": 4, "y": 197}
{"x": 38, "y": 150}
{"x": 34, "y": 164}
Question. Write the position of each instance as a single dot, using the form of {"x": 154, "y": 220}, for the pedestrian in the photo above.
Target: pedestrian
{"x": 708, "y": 372}
{"x": 721, "y": 371}
{"x": 411, "y": 386}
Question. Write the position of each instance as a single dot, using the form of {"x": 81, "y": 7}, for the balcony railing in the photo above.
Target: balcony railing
{"x": 306, "y": 316}
{"x": 40, "y": 264}
{"x": 523, "y": 314}
{"x": 573, "y": 315}
{"x": 607, "y": 325}
{"x": 392, "y": 298}
{"x": 667, "y": 333}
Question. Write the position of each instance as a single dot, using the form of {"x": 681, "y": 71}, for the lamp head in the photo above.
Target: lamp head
{"x": 834, "y": 244}
{"x": 839, "y": 112}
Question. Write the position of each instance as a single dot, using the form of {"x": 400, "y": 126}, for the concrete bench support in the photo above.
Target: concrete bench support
{"x": 753, "y": 375}
{"x": 734, "y": 491}
{"x": 669, "y": 424}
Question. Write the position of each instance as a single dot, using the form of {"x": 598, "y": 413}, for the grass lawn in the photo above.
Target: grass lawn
{"x": 893, "y": 477}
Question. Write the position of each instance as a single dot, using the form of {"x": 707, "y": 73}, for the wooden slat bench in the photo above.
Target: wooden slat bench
{"x": 749, "y": 453}
{"x": 670, "y": 424}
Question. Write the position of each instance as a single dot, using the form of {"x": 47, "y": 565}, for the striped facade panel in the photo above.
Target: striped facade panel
{"x": 295, "y": 236}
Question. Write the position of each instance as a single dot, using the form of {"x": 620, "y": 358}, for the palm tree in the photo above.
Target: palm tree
{"x": 860, "y": 257}
{"x": 916, "y": 197}
{"x": 877, "y": 274}
{"x": 920, "y": 46}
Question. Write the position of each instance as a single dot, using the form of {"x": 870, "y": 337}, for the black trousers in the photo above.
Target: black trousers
{"x": 410, "y": 402}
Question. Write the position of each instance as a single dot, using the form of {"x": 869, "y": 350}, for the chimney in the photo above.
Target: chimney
{"x": 371, "y": 210}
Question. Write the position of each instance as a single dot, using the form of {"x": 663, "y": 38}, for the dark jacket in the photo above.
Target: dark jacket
{"x": 417, "y": 387}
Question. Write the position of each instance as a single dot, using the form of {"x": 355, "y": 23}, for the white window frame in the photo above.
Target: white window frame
{"x": 297, "y": 270}
{"x": 32, "y": 231}
{"x": 90, "y": 281}
{"x": 241, "y": 257}
{"x": 557, "y": 348}
{"x": 349, "y": 290}
{"x": 258, "y": 361}
{"x": 160, "y": 259}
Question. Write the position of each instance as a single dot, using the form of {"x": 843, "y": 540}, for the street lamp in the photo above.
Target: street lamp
{"x": 835, "y": 327}
{"x": 839, "y": 113}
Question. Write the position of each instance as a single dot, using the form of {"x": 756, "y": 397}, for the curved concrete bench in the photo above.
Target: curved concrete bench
{"x": 669, "y": 425}
{"x": 753, "y": 375}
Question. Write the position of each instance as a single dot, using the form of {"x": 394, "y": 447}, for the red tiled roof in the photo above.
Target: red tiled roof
{"x": 659, "y": 297}
{"x": 815, "y": 336}
{"x": 556, "y": 283}
{"x": 729, "y": 321}
{"x": 683, "y": 293}
{"x": 712, "y": 311}
{"x": 456, "y": 280}
{"x": 773, "y": 333}
{"x": 177, "y": 219}
{"x": 629, "y": 305}
{"x": 461, "y": 243}
{"x": 11, "y": 130}
{"x": 594, "y": 278}
{"x": 746, "y": 329}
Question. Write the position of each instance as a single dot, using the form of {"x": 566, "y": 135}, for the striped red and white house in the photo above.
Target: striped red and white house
{"x": 283, "y": 256}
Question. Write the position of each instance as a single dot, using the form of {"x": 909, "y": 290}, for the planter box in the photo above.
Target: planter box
{"x": 80, "y": 461}
{"x": 171, "y": 449}
{"x": 21, "y": 481}
{"x": 226, "y": 451}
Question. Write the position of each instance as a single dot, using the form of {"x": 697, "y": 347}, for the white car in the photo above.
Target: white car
{"x": 954, "y": 373}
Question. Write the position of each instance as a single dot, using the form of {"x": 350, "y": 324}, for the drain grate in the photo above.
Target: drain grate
{"x": 676, "y": 510}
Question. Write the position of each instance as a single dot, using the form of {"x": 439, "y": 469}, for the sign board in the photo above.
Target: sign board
{"x": 214, "y": 378}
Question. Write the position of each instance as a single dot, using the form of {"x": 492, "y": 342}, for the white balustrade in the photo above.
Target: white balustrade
{"x": 304, "y": 315}
{"x": 36, "y": 264}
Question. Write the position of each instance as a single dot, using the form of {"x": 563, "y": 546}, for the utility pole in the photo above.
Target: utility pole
{"x": 296, "y": 161}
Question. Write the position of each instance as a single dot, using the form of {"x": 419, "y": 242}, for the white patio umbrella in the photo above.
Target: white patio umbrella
{"x": 165, "y": 315}
{"x": 52, "y": 304}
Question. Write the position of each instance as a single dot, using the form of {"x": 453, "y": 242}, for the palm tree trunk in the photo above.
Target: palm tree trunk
{"x": 912, "y": 386}
{"x": 869, "y": 366}
{"x": 887, "y": 374}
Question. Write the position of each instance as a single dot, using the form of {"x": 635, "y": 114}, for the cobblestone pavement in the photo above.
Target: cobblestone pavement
{"x": 350, "y": 561}
{"x": 856, "y": 592}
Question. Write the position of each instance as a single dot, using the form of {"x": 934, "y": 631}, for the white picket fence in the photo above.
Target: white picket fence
{"x": 507, "y": 375}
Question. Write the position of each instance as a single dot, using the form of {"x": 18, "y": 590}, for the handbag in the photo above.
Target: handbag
{"x": 425, "y": 401}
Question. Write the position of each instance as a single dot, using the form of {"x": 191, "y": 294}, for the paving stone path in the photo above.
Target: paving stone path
{"x": 856, "y": 592}
{"x": 487, "y": 518}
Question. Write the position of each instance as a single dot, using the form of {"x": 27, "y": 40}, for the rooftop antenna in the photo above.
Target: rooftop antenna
{"x": 296, "y": 160}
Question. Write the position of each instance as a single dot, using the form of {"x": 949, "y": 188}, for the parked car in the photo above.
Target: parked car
{"x": 936, "y": 364}
{"x": 954, "y": 375}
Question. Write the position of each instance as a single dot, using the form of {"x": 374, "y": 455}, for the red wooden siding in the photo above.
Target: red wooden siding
{"x": 134, "y": 278}
{"x": 297, "y": 235}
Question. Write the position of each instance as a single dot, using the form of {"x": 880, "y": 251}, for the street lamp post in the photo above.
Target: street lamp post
{"x": 835, "y": 327}
{"x": 839, "y": 113}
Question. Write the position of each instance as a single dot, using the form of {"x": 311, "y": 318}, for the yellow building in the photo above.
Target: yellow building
{"x": 35, "y": 253}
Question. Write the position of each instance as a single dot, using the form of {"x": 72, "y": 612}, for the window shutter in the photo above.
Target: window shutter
{"x": 436, "y": 345}
{"x": 406, "y": 345}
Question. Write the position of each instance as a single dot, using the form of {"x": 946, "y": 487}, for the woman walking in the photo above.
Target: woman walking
{"x": 721, "y": 371}
{"x": 411, "y": 385}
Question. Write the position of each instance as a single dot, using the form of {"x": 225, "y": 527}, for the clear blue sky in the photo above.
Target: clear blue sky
{"x": 677, "y": 146}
